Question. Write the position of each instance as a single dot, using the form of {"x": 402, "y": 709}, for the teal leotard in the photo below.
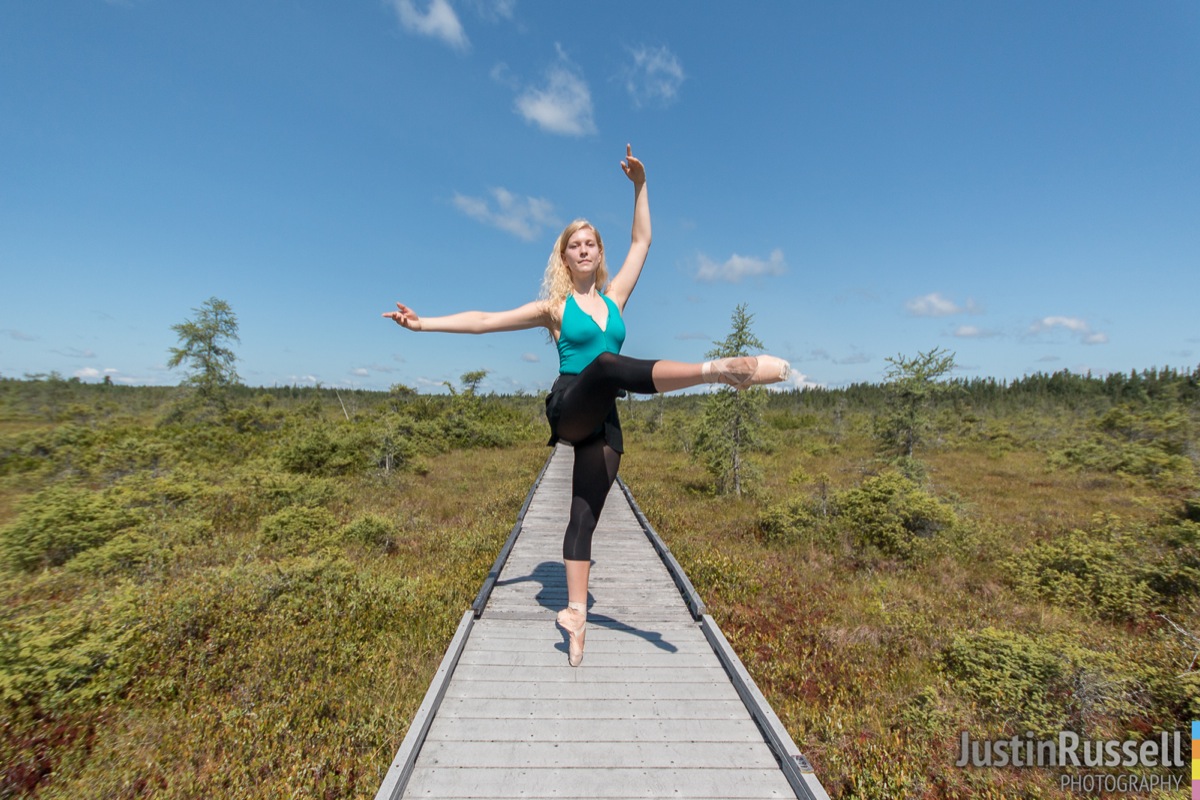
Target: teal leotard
{"x": 581, "y": 340}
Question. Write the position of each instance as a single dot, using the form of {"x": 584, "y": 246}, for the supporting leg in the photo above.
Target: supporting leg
{"x": 578, "y": 573}
{"x": 593, "y": 475}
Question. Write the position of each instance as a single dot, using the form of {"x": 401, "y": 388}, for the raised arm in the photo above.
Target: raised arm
{"x": 622, "y": 285}
{"x": 530, "y": 315}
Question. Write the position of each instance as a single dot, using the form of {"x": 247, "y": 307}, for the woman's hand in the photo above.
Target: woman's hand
{"x": 404, "y": 317}
{"x": 634, "y": 169}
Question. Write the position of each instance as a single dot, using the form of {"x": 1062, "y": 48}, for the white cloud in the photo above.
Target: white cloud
{"x": 91, "y": 373}
{"x": 438, "y": 21}
{"x": 654, "y": 76}
{"x": 935, "y": 305}
{"x": 524, "y": 217}
{"x": 795, "y": 380}
{"x": 563, "y": 105}
{"x": 361, "y": 372}
{"x": 532, "y": 358}
{"x": 1074, "y": 325}
{"x": 20, "y": 336}
{"x": 738, "y": 267}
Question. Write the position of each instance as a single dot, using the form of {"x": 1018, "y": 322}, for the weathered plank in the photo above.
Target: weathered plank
{"x": 584, "y": 691}
{"x": 646, "y": 755}
{"x": 590, "y": 708}
{"x": 593, "y": 782}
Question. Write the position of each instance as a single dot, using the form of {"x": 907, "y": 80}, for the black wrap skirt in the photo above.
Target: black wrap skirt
{"x": 609, "y": 429}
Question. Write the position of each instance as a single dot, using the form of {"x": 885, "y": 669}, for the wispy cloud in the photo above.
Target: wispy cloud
{"x": 1075, "y": 325}
{"x": 437, "y": 21}
{"x": 494, "y": 10}
{"x": 853, "y": 358}
{"x": 974, "y": 332}
{"x": 936, "y": 305}
{"x": 563, "y": 104}
{"x": 653, "y": 76}
{"x": 75, "y": 352}
{"x": 20, "y": 336}
{"x": 532, "y": 358}
{"x": 821, "y": 354}
{"x": 524, "y": 217}
{"x": 736, "y": 267}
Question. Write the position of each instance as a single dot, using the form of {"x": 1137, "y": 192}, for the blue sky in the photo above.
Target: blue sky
{"x": 1018, "y": 182}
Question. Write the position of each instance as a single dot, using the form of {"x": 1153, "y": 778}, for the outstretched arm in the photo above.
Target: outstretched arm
{"x": 627, "y": 277}
{"x": 530, "y": 315}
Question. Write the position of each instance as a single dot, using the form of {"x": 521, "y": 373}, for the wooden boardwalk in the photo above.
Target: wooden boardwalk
{"x": 660, "y": 707}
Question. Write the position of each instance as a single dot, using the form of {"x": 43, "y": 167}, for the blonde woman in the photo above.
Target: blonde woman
{"x": 582, "y": 310}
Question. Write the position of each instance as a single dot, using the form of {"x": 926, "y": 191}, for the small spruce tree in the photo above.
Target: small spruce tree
{"x": 204, "y": 349}
{"x": 732, "y": 423}
{"x": 913, "y": 386}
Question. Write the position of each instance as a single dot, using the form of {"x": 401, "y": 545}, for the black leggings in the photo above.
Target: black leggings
{"x": 584, "y": 406}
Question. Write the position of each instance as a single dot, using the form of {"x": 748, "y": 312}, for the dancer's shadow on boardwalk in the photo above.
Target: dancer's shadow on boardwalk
{"x": 552, "y": 575}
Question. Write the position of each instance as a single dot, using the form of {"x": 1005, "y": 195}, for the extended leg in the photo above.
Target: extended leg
{"x": 587, "y": 402}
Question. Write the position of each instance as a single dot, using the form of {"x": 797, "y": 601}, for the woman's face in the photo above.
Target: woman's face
{"x": 582, "y": 254}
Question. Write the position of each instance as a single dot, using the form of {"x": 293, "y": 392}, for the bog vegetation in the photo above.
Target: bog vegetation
{"x": 249, "y": 600}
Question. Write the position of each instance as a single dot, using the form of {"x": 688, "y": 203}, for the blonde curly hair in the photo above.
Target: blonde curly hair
{"x": 556, "y": 283}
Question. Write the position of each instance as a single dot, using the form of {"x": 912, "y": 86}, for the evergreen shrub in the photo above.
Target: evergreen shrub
{"x": 1044, "y": 684}
{"x": 298, "y": 527}
{"x": 58, "y": 523}
{"x": 891, "y": 514}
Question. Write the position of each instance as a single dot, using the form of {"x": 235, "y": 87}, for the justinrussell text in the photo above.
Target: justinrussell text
{"x": 1068, "y": 750}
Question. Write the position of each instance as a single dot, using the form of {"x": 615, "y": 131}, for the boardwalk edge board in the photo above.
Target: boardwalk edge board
{"x": 398, "y": 773}
{"x": 795, "y": 766}
{"x": 690, "y": 595}
{"x": 401, "y": 769}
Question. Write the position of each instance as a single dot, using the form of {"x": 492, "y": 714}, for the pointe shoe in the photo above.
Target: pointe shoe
{"x": 573, "y": 620}
{"x": 745, "y": 371}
